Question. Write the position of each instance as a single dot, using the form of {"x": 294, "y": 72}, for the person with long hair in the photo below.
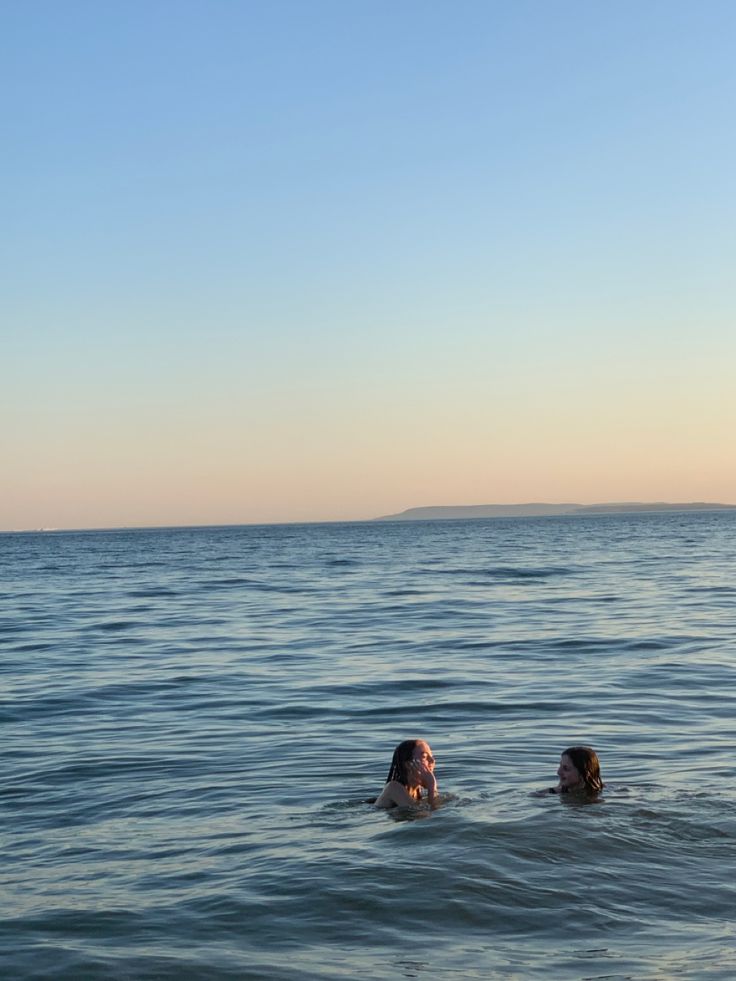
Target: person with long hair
{"x": 411, "y": 772}
{"x": 579, "y": 772}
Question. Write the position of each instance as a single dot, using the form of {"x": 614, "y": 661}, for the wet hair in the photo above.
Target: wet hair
{"x": 403, "y": 753}
{"x": 585, "y": 761}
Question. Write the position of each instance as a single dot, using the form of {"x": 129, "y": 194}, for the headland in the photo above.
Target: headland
{"x": 538, "y": 510}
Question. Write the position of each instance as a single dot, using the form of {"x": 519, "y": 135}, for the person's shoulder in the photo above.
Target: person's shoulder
{"x": 395, "y": 794}
{"x": 386, "y": 797}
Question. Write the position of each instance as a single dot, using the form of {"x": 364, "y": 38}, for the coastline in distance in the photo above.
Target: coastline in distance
{"x": 541, "y": 510}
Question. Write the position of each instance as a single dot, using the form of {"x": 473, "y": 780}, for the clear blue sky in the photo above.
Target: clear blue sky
{"x": 324, "y": 260}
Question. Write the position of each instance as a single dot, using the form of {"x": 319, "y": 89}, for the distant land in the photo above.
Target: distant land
{"x": 542, "y": 510}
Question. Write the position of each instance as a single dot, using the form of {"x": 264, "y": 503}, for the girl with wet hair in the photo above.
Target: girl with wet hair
{"x": 411, "y": 771}
{"x": 579, "y": 772}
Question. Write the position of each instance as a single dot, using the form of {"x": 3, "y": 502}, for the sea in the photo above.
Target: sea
{"x": 194, "y": 722}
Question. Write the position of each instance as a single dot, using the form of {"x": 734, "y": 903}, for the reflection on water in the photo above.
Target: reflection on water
{"x": 195, "y": 719}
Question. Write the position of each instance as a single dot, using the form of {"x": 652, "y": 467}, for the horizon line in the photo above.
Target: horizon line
{"x": 661, "y": 505}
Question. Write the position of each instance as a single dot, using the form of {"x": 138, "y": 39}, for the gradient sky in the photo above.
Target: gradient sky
{"x": 322, "y": 260}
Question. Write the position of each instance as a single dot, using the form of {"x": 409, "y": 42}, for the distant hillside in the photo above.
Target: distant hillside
{"x": 467, "y": 511}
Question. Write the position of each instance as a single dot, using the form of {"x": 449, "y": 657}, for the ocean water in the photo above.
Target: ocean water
{"x": 193, "y": 720}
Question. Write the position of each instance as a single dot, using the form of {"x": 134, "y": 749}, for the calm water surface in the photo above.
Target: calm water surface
{"x": 192, "y": 720}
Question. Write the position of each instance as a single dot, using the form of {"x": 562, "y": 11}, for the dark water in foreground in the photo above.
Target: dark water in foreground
{"x": 192, "y": 719}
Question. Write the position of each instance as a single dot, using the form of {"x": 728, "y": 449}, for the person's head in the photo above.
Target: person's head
{"x": 579, "y": 769}
{"x": 406, "y": 753}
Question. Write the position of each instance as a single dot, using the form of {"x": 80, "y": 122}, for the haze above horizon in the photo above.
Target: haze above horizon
{"x": 293, "y": 262}
{"x": 441, "y": 512}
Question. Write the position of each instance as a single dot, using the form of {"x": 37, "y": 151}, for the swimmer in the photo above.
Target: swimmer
{"x": 579, "y": 772}
{"x": 412, "y": 769}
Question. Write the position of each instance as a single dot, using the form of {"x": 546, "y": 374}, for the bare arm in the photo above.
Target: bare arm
{"x": 425, "y": 778}
{"x": 429, "y": 782}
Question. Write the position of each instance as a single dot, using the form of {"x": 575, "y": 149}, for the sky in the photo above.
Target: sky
{"x": 327, "y": 260}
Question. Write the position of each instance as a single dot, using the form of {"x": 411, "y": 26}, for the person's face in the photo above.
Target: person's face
{"x": 422, "y": 754}
{"x": 568, "y": 773}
